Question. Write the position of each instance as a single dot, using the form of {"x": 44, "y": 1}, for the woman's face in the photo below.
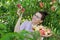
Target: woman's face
{"x": 37, "y": 18}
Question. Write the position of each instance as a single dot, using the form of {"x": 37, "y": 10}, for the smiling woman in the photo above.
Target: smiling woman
{"x": 9, "y": 17}
{"x": 37, "y": 19}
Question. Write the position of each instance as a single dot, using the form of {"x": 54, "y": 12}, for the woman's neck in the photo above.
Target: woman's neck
{"x": 35, "y": 23}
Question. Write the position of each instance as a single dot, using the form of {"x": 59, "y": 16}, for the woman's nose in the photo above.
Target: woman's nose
{"x": 34, "y": 17}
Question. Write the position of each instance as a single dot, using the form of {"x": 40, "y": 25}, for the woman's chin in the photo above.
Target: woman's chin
{"x": 33, "y": 20}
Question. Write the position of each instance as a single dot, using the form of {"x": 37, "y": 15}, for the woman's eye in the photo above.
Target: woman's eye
{"x": 37, "y": 16}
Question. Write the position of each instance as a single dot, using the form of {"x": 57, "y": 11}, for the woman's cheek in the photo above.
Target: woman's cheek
{"x": 34, "y": 18}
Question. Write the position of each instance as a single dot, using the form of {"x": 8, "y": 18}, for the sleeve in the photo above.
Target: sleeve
{"x": 23, "y": 25}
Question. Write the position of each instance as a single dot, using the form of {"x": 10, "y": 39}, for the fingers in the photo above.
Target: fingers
{"x": 18, "y": 11}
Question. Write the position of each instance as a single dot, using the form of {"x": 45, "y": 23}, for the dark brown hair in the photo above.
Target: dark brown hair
{"x": 44, "y": 14}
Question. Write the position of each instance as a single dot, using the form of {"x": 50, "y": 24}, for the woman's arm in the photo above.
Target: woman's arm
{"x": 17, "y": 26}
{"x": 21, "y": 27}
{"x": 16, "y": 29}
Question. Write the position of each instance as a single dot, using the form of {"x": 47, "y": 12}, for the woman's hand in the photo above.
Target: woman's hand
{"x": 18, "y": 12}
{"x": 45, "y": 32}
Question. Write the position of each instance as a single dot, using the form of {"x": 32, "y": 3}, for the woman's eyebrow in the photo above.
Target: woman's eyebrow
{"x": 37, "y": 16}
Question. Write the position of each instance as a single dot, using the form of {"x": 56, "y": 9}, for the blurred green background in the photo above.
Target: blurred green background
{"x": 9, "y": 17}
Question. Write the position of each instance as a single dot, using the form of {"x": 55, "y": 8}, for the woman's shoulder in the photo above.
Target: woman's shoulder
{"x": 26, "y": 21}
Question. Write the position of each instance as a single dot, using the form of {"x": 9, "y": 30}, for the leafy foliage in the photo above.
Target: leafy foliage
{"x": 23, "y": 35}
{"x": 8, "y": 16}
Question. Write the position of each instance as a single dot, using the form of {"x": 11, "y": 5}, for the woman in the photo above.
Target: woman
{"x": 37, "y": 19}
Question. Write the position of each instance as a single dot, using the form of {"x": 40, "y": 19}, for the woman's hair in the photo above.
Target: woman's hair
{"x": 44, "y": 14}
